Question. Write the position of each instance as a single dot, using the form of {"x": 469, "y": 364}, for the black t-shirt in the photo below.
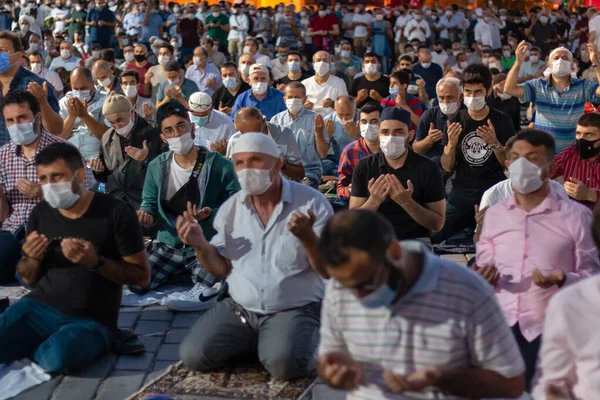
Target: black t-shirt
{"x": 285, "y": 80}
{"x": 112, "y": 226}
{"x": 476, "y": 164}
{"x": 222, "y": 95}
{"x": 510, "y": 107}
{"x": 423, "y": 173}
{"x": 381, "y": 85}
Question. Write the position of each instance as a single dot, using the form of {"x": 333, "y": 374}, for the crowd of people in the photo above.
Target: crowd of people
{"x": 298, "y": 169}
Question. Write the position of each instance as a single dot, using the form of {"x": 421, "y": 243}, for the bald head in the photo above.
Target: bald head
{"x": 82, "y": 79}
{"x": 321, "y": 56}
{"x": 100, "y": 66}
{"x": 345, "y": 108}
{"x": 249, "y": 119}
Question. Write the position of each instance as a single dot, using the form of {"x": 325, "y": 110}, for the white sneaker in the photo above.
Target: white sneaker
{"x": 200, "y": 297}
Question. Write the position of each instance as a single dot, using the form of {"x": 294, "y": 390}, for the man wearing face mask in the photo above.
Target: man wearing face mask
{"x": 125, "y": 150}
{"x": 218, "y": 25}
{"x": 579, "y": 165}
{"x": 559, "y": 99}
{"x": 81, "y": 109}
{"x": 544, "y": 32}
{"x": 185, "y": 178}
{"x": 251, "y": 47}
{"x": 381, "y": 289}
{"x": 487, "y": 30}
{"x": 238, "y": 30}
{"x": 105, "y": 79}
{"x": 66, "y": 60}
{"x": 549, "y": 243}
{"x": 323, "y": 88}
{"x": 433, "y": 123}
{"x": 533, "y": 68}
{"x": 37, "y": 67}
{"x": 19, "y": 185}
{"x": 430, "y": 72}
{"x": 206, "y": 75}
{"x": 473, "y": 147}
{"x": 101, "y": 22}
{"x": 276, "y": 285}
{"x": 224, "y": 98}
{"x": 268, "y": 100}
{"x": 502, "y": 101}
{"x": 417, "y": 28}
{"x": 366, "y": 145}
{"x": 76, "y": 266}
{"x": 404, "y": 186}
{"x": 156, "y": 74}
{"x": 280, "y": 66}
{"x": 141, "y": 66}
{"x": 175, "y": 87}
{"x": 372, "y": 86}
{"x": 348, "y": 63}
{"x": 324, "y": 28}
{"x": 341, "y": 129}
{"x": 295, "y": 73}
{"x": 213, "y": 55}
{"x": 213, "y": 128}
{"x": 244, "y": 64}
{"x": 129, "y": 81}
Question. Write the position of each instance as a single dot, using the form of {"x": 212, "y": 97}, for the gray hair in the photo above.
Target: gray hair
{"x": 450, "y": 81}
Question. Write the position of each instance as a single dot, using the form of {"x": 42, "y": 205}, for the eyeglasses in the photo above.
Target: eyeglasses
{"x": 181, "y": 127}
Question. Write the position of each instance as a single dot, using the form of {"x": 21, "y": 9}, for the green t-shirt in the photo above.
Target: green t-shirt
{"x": 76, "y": 26}
{"x": 507, "y": 63}
{"x": 217, "y": 32}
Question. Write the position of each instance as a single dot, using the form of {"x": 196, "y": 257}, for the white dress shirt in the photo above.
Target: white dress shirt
{"x": 417, "y": 33}
{"x": 218, "y": 127}
{"x": 401, "y": 22}
{"x": 241, "y": 22}
{"x": 488, "y": 34}
{"x": 53, "y": 78}
{"x": 270, "y": 268}
{"x": 359, "y": 30}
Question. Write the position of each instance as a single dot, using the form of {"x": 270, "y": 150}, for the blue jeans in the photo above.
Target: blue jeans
{"x": 57, "y": 342}
{"x": 10, "y": 253}
{"x": 330, "y": 166}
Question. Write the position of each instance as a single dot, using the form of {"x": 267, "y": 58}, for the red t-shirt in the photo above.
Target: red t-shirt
{"x": 322, "y": 24}
{"x": 142, "y": 71}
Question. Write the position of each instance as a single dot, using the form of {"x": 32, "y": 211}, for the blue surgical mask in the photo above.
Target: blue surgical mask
{"x": 394, "y": 91}
{"x": 230, "y": 83}
{"x": 293, "y": 66}
{"x": 384, "y": 295}
{"x": 199, "y": 121}
{"x": 5, "y": 64}
{"x": 345, "y": 54}
{"x": 22, "y": 134}
{"x": 332, "y": 67}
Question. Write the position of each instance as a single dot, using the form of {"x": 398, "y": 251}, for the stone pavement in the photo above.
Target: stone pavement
{"x": 115, "y": 377}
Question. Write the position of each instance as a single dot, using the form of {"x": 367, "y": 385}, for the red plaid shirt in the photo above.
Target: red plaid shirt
{"x": 13, "y": 167}
{"x": 351, "y": 155}
{"x": 571, "y": 165}
{"x": 412, "y": 101}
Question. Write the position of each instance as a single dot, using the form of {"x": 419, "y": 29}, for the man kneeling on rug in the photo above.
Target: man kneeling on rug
{"x": 266, "y": 247}
{"x": 81, "y": 247}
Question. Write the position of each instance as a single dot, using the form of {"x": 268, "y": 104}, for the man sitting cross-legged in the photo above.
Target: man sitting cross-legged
{"x": 266, "y": 247}
{"x": 186, "y": 177}
{"x": 81, "y": 247}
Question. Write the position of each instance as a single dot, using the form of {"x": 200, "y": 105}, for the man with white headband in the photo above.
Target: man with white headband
{"x": 267, "y": 99}
{"x": 560, "y": 98}
{"x": 266, "y": 248}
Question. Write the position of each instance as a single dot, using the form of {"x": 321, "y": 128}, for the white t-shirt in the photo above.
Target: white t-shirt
{"x": 53, "y": 78}
{"x": 59, "y": 26}
{"x": 332, "y": 89}
{"x": 440, "y": 59}
{"x": 218, "y": 127}
{"x": 177, "y": 178}
{"x": 361, "y": 31}
{"x": 503, "y": 190}
{"x": 594, "y": 26}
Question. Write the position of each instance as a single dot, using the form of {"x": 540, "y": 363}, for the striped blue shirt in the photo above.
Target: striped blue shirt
{"x": 557, "y": 113}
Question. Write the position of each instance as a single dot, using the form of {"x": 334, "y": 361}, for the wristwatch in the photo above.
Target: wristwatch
{"x": 495, "y": 146}
{"x": 99, "y": 265}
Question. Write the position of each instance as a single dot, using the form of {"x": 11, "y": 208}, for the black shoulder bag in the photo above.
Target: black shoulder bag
{"x": 177, "y": 204}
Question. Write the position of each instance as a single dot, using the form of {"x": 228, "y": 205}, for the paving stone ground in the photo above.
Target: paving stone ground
{"x": 115, "y": 377}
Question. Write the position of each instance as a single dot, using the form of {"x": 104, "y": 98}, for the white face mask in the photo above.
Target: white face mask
{"x": 525, "y": 177}
{"x": 294, "y": 105}
{"x": 130, "y": 91}
{"x": 254, "y": 181}
{"x": 260, "y": 88}
{"x": 65, "y": 54}
{"x": 162, "y": 60}
{"x": 321, "y": 68}
{"x": 96, "y": 54}
{"x": 124, "y": 131}
{"x": 244, "y": 69}
{"x": 371, "y": 69}
{"x": 105, "y": 82}
{"x": 81, "y": 95}
{"x": 36, "y": 68}
{"x": 182, "y": 144}
{"x": 230, "y": 83}
{"x": 561, "y": 67}
{"x": 369, "y": 132}
{"x": 129, "y": 57}
{"x": 247, "y": 50}
{"x": 475, "y": 103}
{"x": 174, "y": 81}
{"x": 393, "y": 146}
{"x": 33, "y": 47}
{"x": 505, "y": 96}
{"x": 22, "y": 134}
{"x": 196, "y": 60}
{"x": 426, "y": 65}
{"x": 534, "y": 59}
{"x": 449, "y": 108}
{"x": 60, "y": 194}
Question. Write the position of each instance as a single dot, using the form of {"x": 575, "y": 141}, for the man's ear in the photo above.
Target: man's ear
{"x": 162, "y": 137}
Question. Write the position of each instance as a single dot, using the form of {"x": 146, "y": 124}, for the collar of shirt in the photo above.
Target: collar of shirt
{"x": 428, "y": 280}
{"x": 300, "y": 113}
{"x": 286, "y": 195}
{"x": 550, "y": 203}
{"x": 572, "y": 81}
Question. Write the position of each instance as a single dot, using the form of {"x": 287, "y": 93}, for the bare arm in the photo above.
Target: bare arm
{"x": 456, "y": 382}
{"x": 431, "y": 216}
{"x": 216, "y": 265}
{"x": 29, "y": 269}
{"x": 335, "y": 31}
{"x": 511, "y": 85}
{"x": 131, "y": 270}
{"x": 51, "y": 120}
{"x": 364, "y": 203}
{"x": 293, "y": 171}
{"x": 94, "y": 126}
{"x": 4, "y": 205}
{"x": 448, "y": 159}
{"x": 423, "y": 146}
{"x": 68, "y": 127}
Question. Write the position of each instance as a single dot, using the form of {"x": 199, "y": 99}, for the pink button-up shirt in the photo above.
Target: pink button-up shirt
{"x": 570, "y": 353}
{"x": 554, "y": 235}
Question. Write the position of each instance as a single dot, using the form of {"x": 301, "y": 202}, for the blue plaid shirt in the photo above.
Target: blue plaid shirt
{"x": 19, "y": 83}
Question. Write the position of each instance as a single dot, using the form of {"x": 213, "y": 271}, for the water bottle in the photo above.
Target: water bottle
{"x": 101, "y": 188}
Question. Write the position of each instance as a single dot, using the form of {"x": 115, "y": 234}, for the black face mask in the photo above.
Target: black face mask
{"x": 139, "y": 57}
{"x": 586, "y": 148}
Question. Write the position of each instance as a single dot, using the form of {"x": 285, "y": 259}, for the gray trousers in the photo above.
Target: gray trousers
{"x": 286, "y": 341}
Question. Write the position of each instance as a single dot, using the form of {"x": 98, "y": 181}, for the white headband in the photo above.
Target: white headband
{"x": 255, "y": 142}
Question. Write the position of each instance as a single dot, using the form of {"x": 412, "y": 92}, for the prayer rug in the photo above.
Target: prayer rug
{"x": 247, "y": 382}
{"x": 13, "y": 292}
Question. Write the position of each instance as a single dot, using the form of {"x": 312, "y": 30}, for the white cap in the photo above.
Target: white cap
{"x": 561, "y": 48}
{"x": 200, "y": 102}
{"x": 255, "y": 142}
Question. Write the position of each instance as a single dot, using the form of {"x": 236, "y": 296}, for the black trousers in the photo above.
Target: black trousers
{"x": 529, "y": 352}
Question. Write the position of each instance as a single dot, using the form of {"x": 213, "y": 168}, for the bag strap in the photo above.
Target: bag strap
{"x": 199, "y": 163}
